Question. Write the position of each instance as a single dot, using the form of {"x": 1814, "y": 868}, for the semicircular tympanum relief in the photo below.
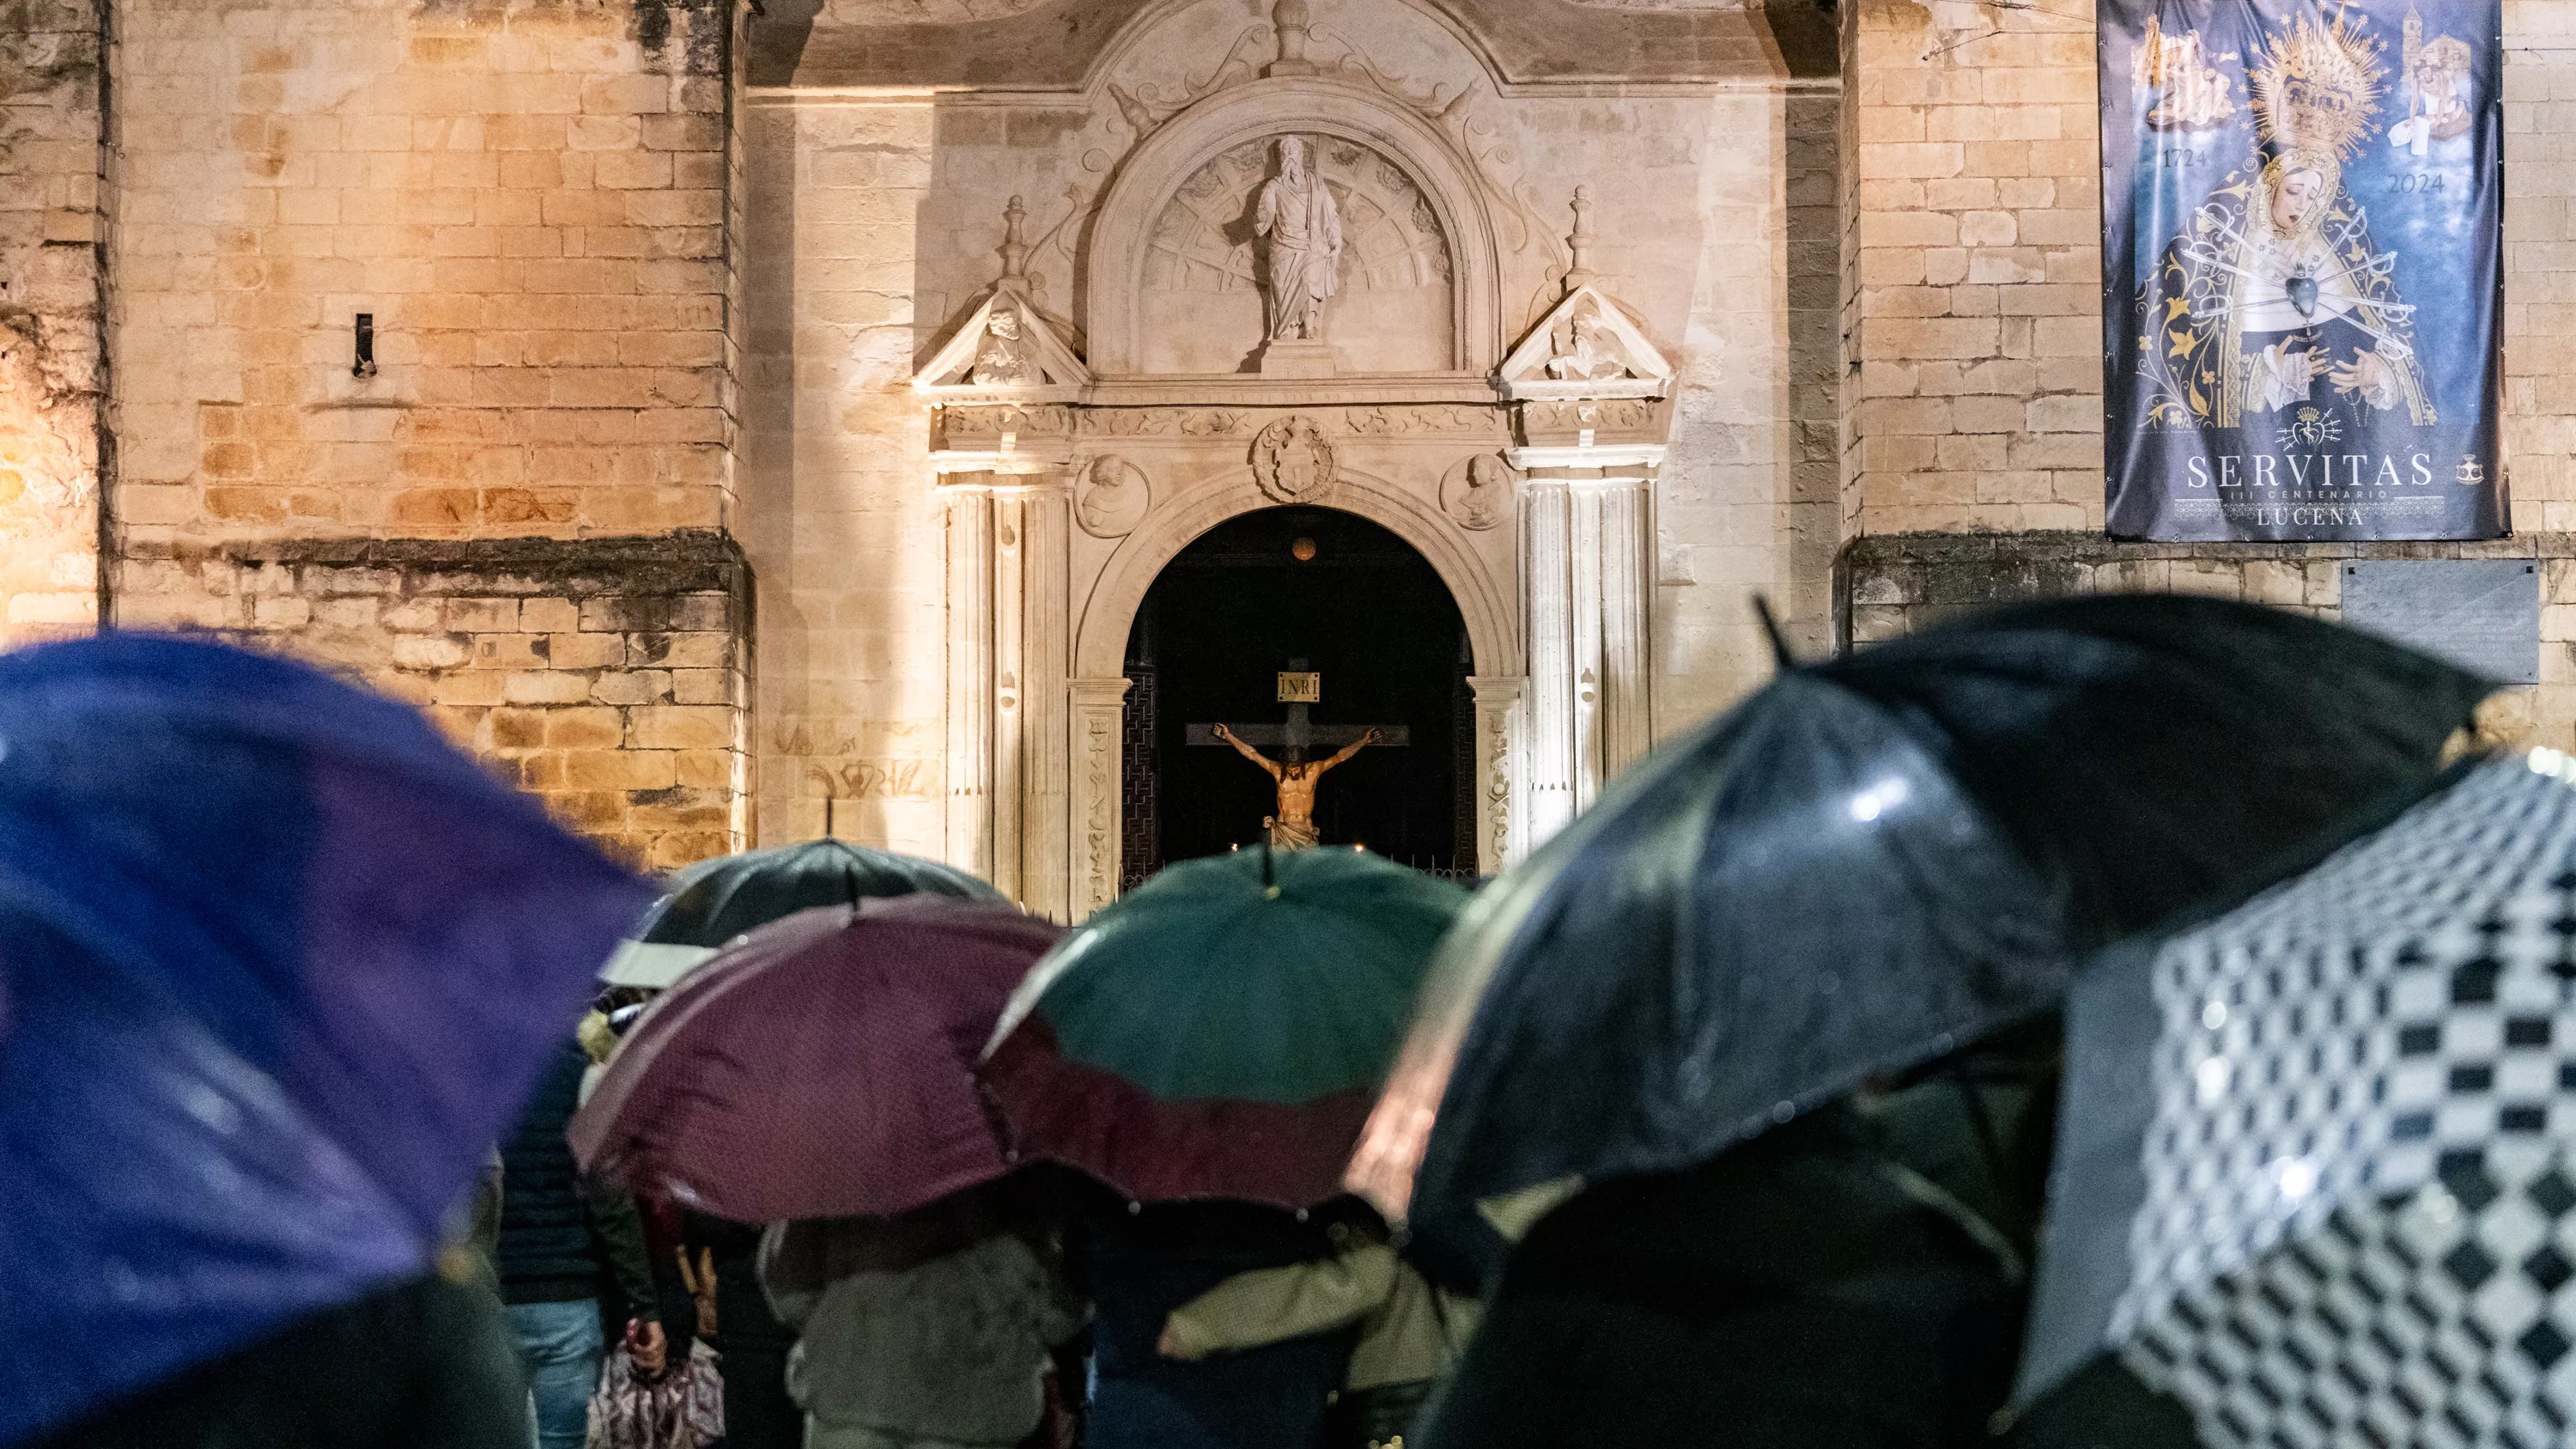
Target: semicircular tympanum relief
{"x": 1203, "y": 290}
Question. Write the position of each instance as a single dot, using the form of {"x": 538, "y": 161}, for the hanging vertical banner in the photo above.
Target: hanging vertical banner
{"x": 2301, "y": 206}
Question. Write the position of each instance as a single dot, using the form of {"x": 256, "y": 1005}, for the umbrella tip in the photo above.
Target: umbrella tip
{"x": 1780, "y": 654}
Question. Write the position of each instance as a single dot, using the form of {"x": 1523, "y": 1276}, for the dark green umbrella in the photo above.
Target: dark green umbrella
{"x": 1221, "y": 1031}
{"x": 716, "y": 900}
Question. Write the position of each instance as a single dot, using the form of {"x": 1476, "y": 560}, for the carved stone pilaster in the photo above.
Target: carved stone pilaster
{"x": 1097, "y": 729}
{"x": 1502, "y": 831}
{"x": 1584, "y": 551}
{"x": 970, "y": 673}
{"x": 1547, "y": 573}
{"x": 1624, "y": 532}
{"x": 1046, "y": 657}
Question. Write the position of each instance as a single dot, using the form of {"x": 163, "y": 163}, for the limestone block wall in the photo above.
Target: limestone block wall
{"x": 1974, "y": 311}
{"x": 528, "y": 196}
{"x": 514, "y": 517}
{"x": 1745, "y": 502}
{"x": 839, "y": 512}
{"x": 52, "y": 377}
{"x": 1976, "y": 247}
{"x": 609, "y": 677}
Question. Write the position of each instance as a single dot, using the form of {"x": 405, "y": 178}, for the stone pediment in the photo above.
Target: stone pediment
{"x": 1588, "y": 346}
{"x": 1028, "y": 357}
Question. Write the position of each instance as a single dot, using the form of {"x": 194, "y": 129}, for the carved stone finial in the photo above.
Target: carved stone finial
{"x": 1292, "y": 19}
{"x": 1015, "y": 245}
{"x": 1580, "y": 274}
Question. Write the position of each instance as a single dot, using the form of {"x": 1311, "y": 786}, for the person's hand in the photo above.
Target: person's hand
{"x": 645, "y": 1345}
{"x": 1225, "y": 734}
{"x": 1169, "y": 1344}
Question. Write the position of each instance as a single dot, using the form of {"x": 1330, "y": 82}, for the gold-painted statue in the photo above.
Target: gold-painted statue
{"x": 1293, "y": 828}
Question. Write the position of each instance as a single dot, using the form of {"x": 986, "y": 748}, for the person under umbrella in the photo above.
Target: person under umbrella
{"x": 279, "y": 966}
{"x": 710, "y": 904}
{"x": 2316, "y": 1180}
{"x": 935, "y": 1328}
{"x": 1872, "y": 863}
{"x": 821, "y": 1072}
{"x": 1206, "y": 1049}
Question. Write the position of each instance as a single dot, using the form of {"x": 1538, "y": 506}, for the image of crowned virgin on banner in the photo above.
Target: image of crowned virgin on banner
{"x": 2301, "y": 245}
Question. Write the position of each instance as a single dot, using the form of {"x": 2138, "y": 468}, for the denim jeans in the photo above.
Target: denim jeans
{"x": 561, "y": 1346}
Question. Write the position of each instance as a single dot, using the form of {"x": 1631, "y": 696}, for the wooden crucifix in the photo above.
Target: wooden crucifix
{"x": 1293, "y": 828}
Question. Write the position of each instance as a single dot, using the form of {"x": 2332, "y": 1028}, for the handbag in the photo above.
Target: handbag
{"x": 680, "y": 1408}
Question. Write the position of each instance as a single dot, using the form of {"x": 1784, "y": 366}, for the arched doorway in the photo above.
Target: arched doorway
{"x": 1241, "y": 604}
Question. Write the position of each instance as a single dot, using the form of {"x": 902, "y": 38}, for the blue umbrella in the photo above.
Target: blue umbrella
{"x": 276, "y": 964}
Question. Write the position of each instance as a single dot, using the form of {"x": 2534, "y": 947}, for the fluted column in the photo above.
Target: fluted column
{"x": 1046, "y": 659}
{"x": 1010, "y": 670}
{"x": 1625, "y": 721}
{"x": 1583, "y": 596}
{"x": 1547, "y": 573}
{"x": 970, "y": 672}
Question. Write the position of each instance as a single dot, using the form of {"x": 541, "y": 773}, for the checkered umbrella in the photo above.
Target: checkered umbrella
{"x": 2316, "y": 1175}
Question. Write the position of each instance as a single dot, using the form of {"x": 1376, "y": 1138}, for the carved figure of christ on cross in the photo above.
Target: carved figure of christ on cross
{"x": 1293, "y": 827}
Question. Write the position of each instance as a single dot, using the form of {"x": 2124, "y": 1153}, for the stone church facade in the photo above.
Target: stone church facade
{"x": 776, "y": 411}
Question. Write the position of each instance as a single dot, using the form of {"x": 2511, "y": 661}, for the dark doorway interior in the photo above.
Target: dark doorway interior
{"x": 1220, "y": 623}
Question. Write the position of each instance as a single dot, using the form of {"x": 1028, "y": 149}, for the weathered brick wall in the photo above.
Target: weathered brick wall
{"x": 1974, "y": 313}
{"x": 527, "y": 195}
{"x": 51, "y": 367}
{"x": 610, "y": 677}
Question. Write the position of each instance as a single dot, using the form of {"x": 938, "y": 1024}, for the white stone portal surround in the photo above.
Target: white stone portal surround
{"x": 1529, "y": 471}
{"x": 1042, "y": 589}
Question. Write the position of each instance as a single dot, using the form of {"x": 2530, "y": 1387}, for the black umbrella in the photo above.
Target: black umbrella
{"x": 716, "y": 900}
{"x": 1874, "y": 860}
{"x": 2316, "y": 1173}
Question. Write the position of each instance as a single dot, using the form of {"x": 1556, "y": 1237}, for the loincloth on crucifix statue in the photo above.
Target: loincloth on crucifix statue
{"x": 1292, "y": 827}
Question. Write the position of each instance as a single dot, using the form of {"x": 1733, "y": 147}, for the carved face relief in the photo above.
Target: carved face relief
{"x": 1477, "y": 493}
{"x": 1589, "y": 351}
{"x": 1293, "y": 461}
{"x": 1002, "y": 360}
{"x": 1111, "y": 498}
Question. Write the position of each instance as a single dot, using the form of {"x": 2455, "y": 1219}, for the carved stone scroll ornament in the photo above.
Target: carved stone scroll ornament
{"x": 1293, "y": 461}
{"x": 1477, "y": 493}
{"x": 1112, "y": 498}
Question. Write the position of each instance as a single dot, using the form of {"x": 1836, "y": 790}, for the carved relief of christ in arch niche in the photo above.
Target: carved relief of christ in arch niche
{"x": 1205, "y": 302}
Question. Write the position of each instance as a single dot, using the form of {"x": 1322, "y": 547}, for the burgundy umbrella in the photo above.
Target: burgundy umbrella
{"x": 823, "y": 1066}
